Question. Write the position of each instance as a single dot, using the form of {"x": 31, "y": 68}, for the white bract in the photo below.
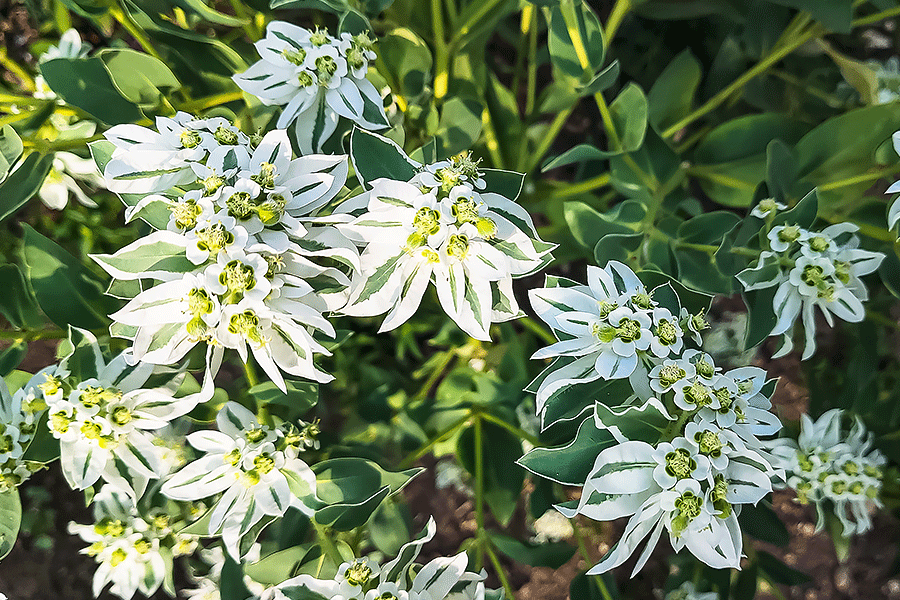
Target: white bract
{"x": 317, "y": 78}
{"x": 440, "y": 228}
{"x": 836, "y": 471}
{"x": 133, "y": 554}
{"x": 443, "y": 578}
{"x": 105, "y": 421}
{"x": 20, "y": 412}
{"x": 235, "y": 252}
{"x": 812, "y": 269}
{"x": 606, "y": 328}
{"x": 684, "y": 453}
{"x": 247, "y": 463}
{"x": 70, "y": 46}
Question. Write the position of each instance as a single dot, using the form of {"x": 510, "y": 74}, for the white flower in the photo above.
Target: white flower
{"x": 61, "y": 181}
{"x": 110, "y": 417}
{"x": 830, "y": 468}
{"x": 70, "y": 46}
{"x": 126, "y": 547}
{"x": 317, "y": 79}
{"x": 20, "y": 413}
{"x": 767, "y": 208}
{"x": 816, "y": 269}
{"x": 243, "y": 463}
{"x": 467, "y": 243}
{"x": 606, "y": 326}
{"x": 687, "y": 591}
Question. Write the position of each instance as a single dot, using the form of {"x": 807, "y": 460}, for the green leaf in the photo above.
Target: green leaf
{"x": 781, "y": 170}
{"x": 803, "y": 213}
{"x": 761, "y": 317}
{"x": 672, "y": 95}
{"x": 834, "y": 14}
{"x": 763, "y": 523}
{"x": 278, "y": 566}
{"x": 200, "y": 9}
{"x": 506, "y": 183}
{"x": 500, "y": 450}
{"x": 145, "y": 258}
{"x": 156, "y": 214}
{"x": 579, "y": 154}
{"x": 780, "y": 572}
{"x": 10, "y": 520}
{"x": 629, "y": 115}
{"x": 459, "y": 127}
{"x": 408, "y": 62}
{"x": 352, "y": 488}
{"x": 375, "y": 157}
{"x": 563, "y": 54}
{"x": 23, "y": 183}
{"x": 10, "y": 149}
{"x": 139, "y": 78}
{"x": 569, "y": 464}
{"x": 85, "y": 83}
{"x": 17, "y": 304}
{"x": 747, "y": 136}
{"x": 65, "y": 290}
{"x": 300, "y": 397}
{"x": 745, "y": 585}
{"x": 586, "y": 587}
{"x": 588, "y": 226}
{"x": 553, "y": 555}
{"x": 12, "y": 356}
{"x": 231, "y": 584}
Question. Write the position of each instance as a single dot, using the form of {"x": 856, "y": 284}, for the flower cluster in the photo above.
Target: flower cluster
{"x": 684, "y": 451}
{"x": 105, "y": 420}
{"x": 442, "y": 578}
{"x": 133, "y": 553}
{"x": 253, "y": 466}
{"x": 441, "y": 226}
{"x": 829, "y": 468}
{"x": 812, "y": 269}
{"x": 317, "y": 78}
{"x": 606, "y": 328}
{"x": 233, "y": 260}
{"x": 20, "y": 413}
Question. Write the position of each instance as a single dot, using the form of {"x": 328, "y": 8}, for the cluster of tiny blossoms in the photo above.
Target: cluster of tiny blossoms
{"x": 829, "y": 468}
{"x": 232, "y": 258}
{"x": 812, "y": 269}
{"x": 608, "y": 328}
{"x": 442, "y": 578}
{"x": 317, "y": 78}
{"x": 106, "y": 420}
{"x": 20, "y": 413}
{"x": 254, "y": 467}
{"x": 441, "y": 226}
{"x": 133, "y": 553}
{"x": 705, "y": 459}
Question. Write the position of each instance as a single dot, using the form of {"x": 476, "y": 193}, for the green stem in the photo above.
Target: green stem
{"x": 327, "y": 543}
{"x": 211, "y": 101}
{"x": 877, "y": 317}
{"x": 249, "y": 25}
{"x": 504, "y": 581}
{"x": 436, "y": 373}
{"x": 441, "y": 56}
{"x": 487, "y": 7}
{"x": 547, "y": 140}
{"x": 538, "y": 329}
{"x": 250, "y": 373}
{"x": 125, "y": 21}
{"x": 14, "y": 68}
{"x": 46, "y": 147}
{"x": 582, "y": 549}
{"x": 426, "y": 448}
{"x": 516, "y": 431}
{"x": 479, "y": 490}
{"x": 32, "y": 335}
{"x": 619, "y": 11}
{"x": 761, "y": 67}
{"x": 880, "y": 16}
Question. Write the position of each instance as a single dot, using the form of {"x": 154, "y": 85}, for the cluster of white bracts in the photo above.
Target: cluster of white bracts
{"x": 702, "y": 458}
{"x": 236, "y": 257}
{"x": 828, "y": 467}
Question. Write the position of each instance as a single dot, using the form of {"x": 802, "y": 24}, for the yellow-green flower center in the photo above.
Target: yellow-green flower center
{"x": 671, "y": 374}
{"x": 458, "y": 246}
{"x": 246, "y": 324}
{"x": 688, "y": 507}
{"x": 709, "y": 443}
{"x": 185, "y": 213}
{"x": 266, "y": 176}
{"x": 214, "y": 238}
{"x": 189, "y": 138}
{"x": 294, "y": 56}
{"x": 358, "y": 574}
{"x": 679, "y": 463}
{"x": 225, "y": 136}
{"x": 240, "y": 205}
{"x": 698, "y": 394}
{"x": 666, "y": 332}
{"x": 789, "y": 233}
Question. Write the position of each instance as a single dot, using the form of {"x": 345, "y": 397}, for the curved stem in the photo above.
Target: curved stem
{"x": 619, "y": 11}
{"x": 125, "y": 21}
{"x": 761, "y": 67}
